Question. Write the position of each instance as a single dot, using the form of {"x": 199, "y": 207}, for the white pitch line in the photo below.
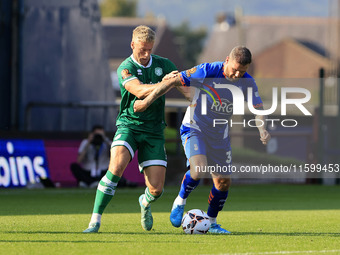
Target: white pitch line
{"x": 280, "y": 252}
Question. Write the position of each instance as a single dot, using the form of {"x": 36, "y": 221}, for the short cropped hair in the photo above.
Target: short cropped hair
{"x": 241, "y": 54}
{"x": 144, "y": 34}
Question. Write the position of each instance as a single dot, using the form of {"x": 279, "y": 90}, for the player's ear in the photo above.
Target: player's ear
{"x": 227, "y": 59}
{"x": 132, "y": 45}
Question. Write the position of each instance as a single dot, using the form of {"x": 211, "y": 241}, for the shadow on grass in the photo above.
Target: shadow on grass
{"x": 90, "y": 234}
{"x": 168, "y": 233}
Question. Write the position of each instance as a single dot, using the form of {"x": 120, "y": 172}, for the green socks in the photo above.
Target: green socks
{"x": 105, "y": 191}
{"x": 149, "y": 198}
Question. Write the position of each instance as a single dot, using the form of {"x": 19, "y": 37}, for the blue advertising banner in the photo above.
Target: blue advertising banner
{"x": 22, "y": 162}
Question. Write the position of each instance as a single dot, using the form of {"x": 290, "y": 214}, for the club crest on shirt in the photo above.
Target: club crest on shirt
{"x": 158, "y": 71}
{"x": 125, "y": 74}
{"x": 190, "y": 71}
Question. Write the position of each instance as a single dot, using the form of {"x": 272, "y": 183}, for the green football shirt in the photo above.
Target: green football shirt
{"x": 152, "y": 119}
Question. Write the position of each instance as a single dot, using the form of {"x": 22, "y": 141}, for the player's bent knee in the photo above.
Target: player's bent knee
{"x": 223, "y": 184}
{"x": 195, "y": 175}
{"x": 156, "y": 191}
{"x": 116, "y": 170}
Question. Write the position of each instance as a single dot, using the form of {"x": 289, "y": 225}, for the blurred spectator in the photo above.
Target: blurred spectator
{"x": 93, "y": 158}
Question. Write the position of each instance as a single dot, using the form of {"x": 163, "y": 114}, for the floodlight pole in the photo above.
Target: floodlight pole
{"x": 321, "y": 141}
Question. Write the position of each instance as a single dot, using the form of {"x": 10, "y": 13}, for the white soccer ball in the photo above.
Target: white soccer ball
{"x": 195, "y": 221}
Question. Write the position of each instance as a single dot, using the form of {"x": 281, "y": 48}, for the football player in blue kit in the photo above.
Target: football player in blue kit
{"x": 215, "y": 90}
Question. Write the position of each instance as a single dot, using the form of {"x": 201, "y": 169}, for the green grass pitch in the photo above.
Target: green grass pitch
{"x": 263, "y": 219}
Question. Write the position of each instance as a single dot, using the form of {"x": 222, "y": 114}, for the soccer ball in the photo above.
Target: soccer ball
{"x": 195, "y": 221}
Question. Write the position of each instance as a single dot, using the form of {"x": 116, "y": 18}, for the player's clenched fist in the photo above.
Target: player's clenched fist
{"x": 170, "y": 75}
{"x": 264, "y": 136}
{"x": 139, "y": 106}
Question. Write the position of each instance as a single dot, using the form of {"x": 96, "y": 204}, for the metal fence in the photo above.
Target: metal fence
{"x": 86, "y": 106}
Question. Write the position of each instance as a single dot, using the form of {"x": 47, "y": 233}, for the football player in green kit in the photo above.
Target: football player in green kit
{"x": 138, "y": 75}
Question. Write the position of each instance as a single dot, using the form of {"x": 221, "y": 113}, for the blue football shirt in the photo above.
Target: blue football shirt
{"x": 210, "y": 102}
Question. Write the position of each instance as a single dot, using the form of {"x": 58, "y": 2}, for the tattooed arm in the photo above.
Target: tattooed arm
{"x": 162, "y": 87}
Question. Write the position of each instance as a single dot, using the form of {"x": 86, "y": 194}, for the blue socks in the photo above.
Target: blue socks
{"x": 216, "y": 201}
{"x": 188, "y": 185}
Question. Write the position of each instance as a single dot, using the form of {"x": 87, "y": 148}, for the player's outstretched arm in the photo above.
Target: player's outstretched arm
{"x": 185, "y": 91}
{"x": 260, "y": 123}
{"x": 162, "y": 87}
{"x": 139, "y": 89}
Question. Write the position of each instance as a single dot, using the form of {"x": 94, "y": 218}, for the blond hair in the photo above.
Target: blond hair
{"x": 144, "y": 34}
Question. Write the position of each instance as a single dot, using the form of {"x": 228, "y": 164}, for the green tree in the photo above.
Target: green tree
{"x": 190, "y": 42}
{"x": 118, "y": 8}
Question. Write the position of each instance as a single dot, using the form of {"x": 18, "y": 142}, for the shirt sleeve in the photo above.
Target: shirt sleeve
{"x": 125, "y": 74}
{"x": 82, "y": 145}
{"x": 257, "y": 101}
{"x": 197, "y": 74}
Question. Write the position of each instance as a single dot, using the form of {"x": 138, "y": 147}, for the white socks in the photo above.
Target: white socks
{"x": 144, "y": 202}
{"x": 96, "y": 217}
{"x": 212, "y": 220}
{"x": 180, "y": 201}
